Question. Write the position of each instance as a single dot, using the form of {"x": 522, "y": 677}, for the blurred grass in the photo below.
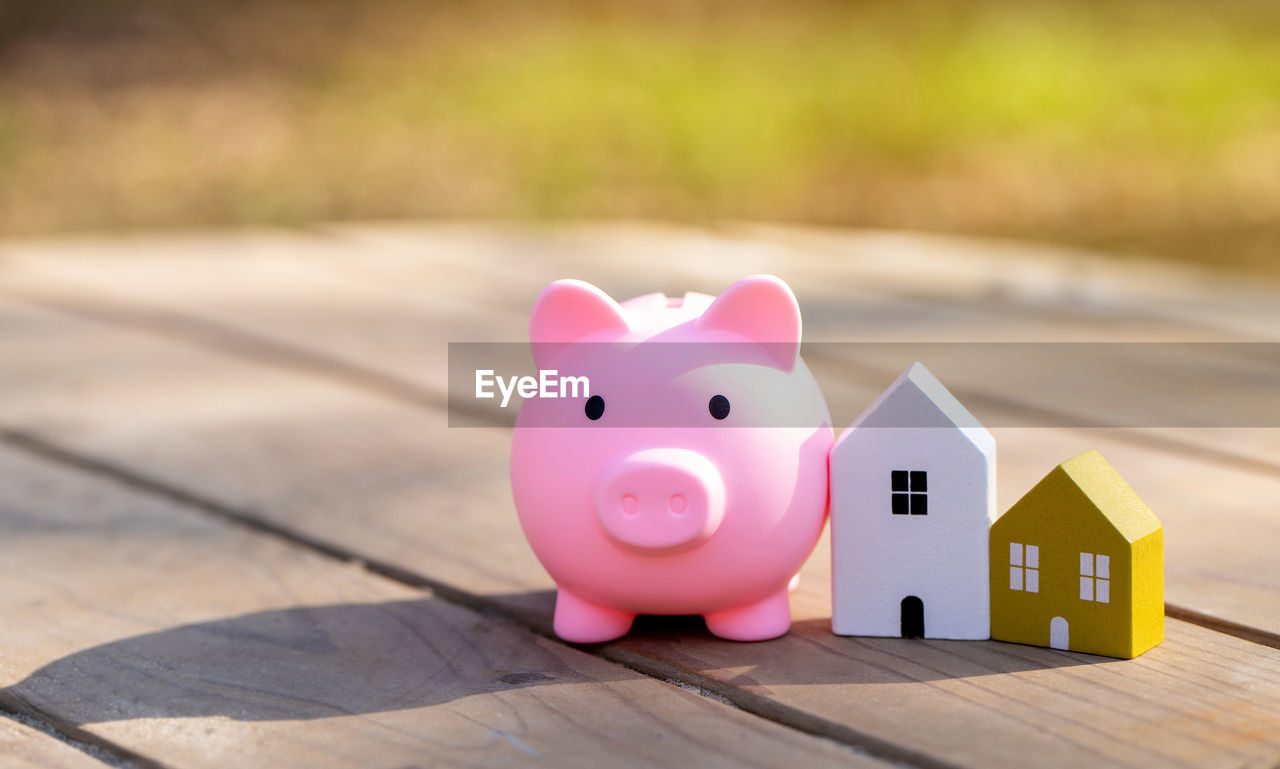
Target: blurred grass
{"x": 1133, "y": 126}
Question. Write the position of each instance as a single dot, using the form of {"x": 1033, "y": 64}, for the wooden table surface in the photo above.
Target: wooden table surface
{"x": 236, "y": 530}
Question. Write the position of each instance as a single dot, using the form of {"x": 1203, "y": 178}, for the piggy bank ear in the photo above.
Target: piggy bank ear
{"x": 568, "y": 311}
{"x": 762, "y": 309}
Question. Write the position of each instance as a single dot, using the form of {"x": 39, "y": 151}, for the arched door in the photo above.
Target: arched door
{"x": 1059, "y": 633}
{"x": 912, "y": 617}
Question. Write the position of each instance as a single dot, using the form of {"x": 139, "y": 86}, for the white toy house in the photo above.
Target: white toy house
{"x": 912, "y": 502}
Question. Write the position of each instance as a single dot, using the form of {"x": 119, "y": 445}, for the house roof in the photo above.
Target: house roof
{"x": 1107, "y": 490}
{"x": 918, "y": 399}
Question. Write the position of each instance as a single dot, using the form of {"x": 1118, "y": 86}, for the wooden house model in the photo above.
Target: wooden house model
{"x": 1078, "y": 563}
{"x": 912, "y": 500}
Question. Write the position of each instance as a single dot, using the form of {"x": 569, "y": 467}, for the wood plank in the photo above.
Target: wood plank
{"x": 854, "y": 285}
{"x": 970, "y": 270}
{"x": 24, "y": 747}
{"x": 287, "y": 295}
{"x": 268, "y": 294}
{"x": 378, "y": 474}
{"x": 388, "y": 299}
{"x": 351, "y": 307}
{"x": 1066, "y": 294}
{"x": 295, "y": 314}
{"x": 270, "y": 448}
{"x": 897, "y": 287}
{"x": 196, "y": 643}
{"x": 907, "y": 288}
{"x": 1195, "y": 700}
{"x": 305, "y": 293}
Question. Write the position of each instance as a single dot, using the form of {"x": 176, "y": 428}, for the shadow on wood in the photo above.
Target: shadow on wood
{"x": 810, "y": 653}
{"x": 347, "y": 659}
{"x": 299, "y": 663}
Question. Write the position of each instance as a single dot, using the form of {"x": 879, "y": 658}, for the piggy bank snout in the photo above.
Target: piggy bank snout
{"x": 660, "y": 500}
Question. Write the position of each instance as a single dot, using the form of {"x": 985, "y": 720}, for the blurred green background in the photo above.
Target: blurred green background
{"x": 1134, "y": 126}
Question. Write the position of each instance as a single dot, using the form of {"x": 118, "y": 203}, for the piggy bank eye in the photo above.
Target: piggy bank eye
{"x": 718, "y": 406}
{"x": 595, "y": 407}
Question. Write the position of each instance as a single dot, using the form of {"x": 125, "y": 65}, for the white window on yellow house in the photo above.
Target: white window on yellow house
{"x": 1024, "y": 567}
{"x": 1095, "y": 578}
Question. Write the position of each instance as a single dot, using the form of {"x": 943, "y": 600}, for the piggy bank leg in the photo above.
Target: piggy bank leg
{"x": 759, "y": 621}
{"x": 581, "y": 622}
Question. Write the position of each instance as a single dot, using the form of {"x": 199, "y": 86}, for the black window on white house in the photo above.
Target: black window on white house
{"x": 909, "y": 492}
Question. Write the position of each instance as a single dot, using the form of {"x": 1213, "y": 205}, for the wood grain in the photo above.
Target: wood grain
{"x": 1195, "y": 700}
{"x": 358, "y": 300}
{"x": 23, "y": 747}
{"x": 313, "y": 295}
{"x": 195, "y": 643}
{"x": 908, "y": 288}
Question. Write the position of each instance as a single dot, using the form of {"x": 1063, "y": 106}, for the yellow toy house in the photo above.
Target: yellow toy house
{"x": 1078, "y": 563}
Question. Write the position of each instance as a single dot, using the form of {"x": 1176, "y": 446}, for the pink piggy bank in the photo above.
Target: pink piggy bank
{"x": 693, "y": 479}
